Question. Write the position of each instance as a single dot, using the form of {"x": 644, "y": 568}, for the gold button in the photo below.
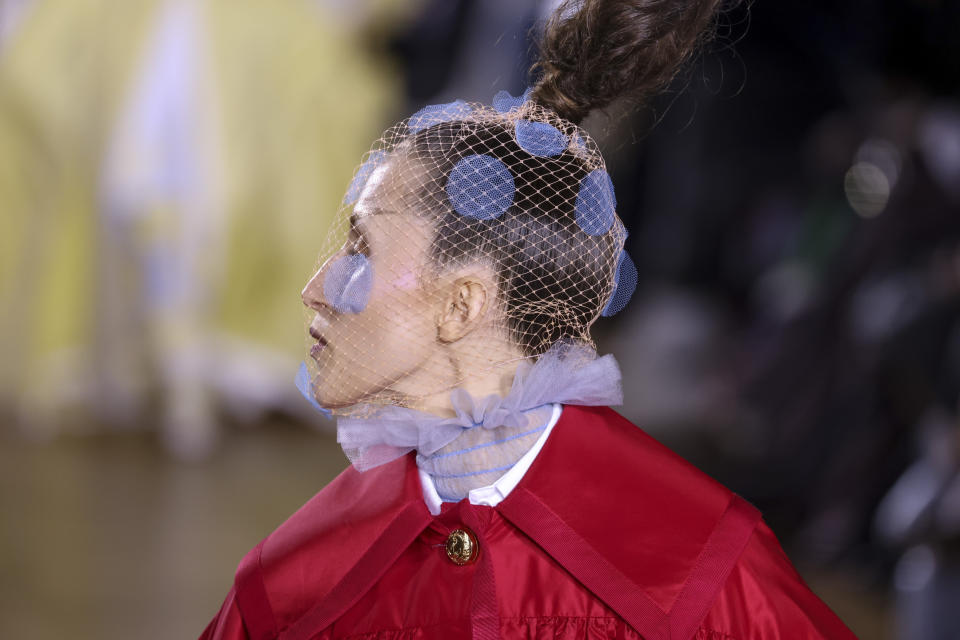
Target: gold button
{"x": 461, "y": 547}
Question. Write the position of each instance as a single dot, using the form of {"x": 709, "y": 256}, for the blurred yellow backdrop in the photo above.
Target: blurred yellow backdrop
{"x": 210, "y": 139}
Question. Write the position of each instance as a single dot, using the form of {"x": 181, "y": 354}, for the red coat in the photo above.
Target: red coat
{"x": 608, "y": 535}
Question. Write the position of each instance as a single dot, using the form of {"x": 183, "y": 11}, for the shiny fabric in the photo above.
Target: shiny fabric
{"x": 645, "y": 547}
{"x": 535, "y": 596}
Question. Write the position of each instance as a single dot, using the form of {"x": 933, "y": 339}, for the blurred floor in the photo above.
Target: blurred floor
{"x": 105, "y": 537}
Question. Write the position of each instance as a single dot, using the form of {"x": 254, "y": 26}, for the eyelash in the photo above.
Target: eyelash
{"x": 358, "y": 245}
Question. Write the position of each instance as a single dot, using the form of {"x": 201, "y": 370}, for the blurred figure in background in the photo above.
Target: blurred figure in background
{"x": 10, "y": 14}
{"x": 164, "y": 169}
{"x": 801, "y": 310}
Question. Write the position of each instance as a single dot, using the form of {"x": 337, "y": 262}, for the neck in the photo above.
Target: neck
{"x": 479, "y": 456}
{"x": 458, "y": 365}
{"x": 481, "y": 364}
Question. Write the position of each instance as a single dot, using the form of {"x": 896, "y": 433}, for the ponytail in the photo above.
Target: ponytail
{"x": 594, "y": 51}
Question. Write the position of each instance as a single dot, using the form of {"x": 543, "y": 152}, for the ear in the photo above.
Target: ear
{"x": 463, "y": 308}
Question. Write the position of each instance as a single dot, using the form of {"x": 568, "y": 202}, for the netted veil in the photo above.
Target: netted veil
{"x": 511, "y": 186}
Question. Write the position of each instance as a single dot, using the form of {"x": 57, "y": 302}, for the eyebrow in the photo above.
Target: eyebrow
{"x": 356, "y": 216}
{"x": 356, "y": 222}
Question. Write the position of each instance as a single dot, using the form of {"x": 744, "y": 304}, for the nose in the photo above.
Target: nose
{"x": 343, "y": 283}
{"x": 312, "y": 294}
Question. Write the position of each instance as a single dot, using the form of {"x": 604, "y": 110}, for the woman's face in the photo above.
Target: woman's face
{"x": 375, "y": 322}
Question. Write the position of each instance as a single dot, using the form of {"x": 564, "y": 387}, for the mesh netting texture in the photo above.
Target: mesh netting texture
{"x": 470, "y": 239}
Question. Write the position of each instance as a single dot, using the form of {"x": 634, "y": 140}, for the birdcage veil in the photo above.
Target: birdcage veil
{"x": 511, "y": 188}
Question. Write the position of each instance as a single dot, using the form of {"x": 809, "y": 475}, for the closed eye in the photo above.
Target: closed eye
{"x": 357, "y": 239}
{"x": 357, "y": 243}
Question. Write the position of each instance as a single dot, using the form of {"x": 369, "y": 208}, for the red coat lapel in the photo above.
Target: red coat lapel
{"x": 321, "y": 560}
{"x": 648, "y": 533}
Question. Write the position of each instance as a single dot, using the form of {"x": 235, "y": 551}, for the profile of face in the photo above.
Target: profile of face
{"x": 372, "y": 323}
{"x": 384, "y": 318}
{"x": 477, "y": 239}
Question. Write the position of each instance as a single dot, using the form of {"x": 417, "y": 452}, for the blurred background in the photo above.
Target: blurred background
{"x": 168, "y": 168}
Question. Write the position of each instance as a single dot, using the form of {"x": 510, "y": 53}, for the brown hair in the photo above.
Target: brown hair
{"x": 594, "y": 51}
{"x": 552, "y": 292}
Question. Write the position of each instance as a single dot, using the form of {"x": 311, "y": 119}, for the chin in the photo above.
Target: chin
{"x": 335, "y": 391}
{"x": 332, "y": 400}
{"x": 333, "y": 396}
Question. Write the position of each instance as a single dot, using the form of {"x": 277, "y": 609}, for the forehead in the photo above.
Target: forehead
{"x": 393, "y": 187}
{"x": 371, "y": 195}
{"x": 385, "y": 208}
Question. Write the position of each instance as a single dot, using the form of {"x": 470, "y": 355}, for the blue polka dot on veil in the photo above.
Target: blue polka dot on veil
{"x": 363, "y": 174}
{"x": 504, "y": 102}
{"x": 625, "y": 283}
{"x": 305, "y": 386}
{"x": 539, "y": 138}
{"x": 480, "y": 187}
{"x": 437, "y": 113}
{"x": 596, "y": 204}
{"x": 348, "y": 283}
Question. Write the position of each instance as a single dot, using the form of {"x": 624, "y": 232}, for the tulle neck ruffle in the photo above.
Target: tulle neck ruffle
{"x": 565, "y": 374}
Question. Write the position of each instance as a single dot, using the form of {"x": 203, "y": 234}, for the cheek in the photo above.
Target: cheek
{"x": 403, "y": 326}
{"x": 405, "y": 281}
{"x": 390, "y": 338}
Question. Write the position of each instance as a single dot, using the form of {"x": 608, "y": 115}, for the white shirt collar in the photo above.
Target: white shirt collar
{"x": 491, "y": 495}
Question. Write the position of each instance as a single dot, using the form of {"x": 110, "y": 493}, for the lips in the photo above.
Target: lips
{"x": 321, "y": 344}
{"x": 317, "y": 349}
